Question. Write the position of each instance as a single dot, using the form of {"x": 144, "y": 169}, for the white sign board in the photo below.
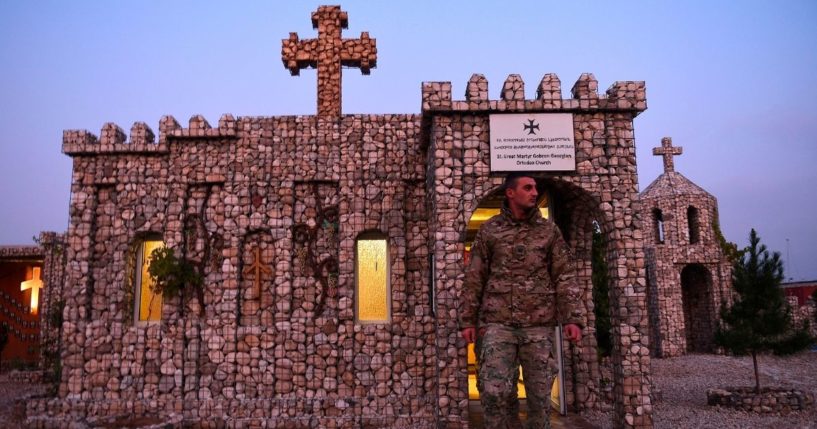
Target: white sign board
{"x": 532, "y": 142}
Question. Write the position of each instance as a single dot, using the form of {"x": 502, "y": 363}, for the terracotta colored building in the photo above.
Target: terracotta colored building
{"x": 28, "y": 275}
{"x": 18, "y": 309}
{"x": 801, "y": 290}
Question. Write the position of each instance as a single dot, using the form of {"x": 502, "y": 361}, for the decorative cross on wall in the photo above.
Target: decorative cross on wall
{"x": 328, "y": 53}
{"x": 35, "y": 284}
{"x": 668, "y": 151}
{"x": 257, "y": 269}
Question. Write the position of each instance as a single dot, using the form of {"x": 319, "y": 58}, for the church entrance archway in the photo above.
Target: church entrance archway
{"x": 696, "y": 294}
{"x": 577, "y": 214}
{"x": 489, "y": 207}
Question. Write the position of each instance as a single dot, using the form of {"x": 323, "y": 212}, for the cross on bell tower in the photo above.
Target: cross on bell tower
{"x": 328, "y": 53}
{"x": 668, "y": 151}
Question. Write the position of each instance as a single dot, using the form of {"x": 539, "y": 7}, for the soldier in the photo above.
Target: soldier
{"x": 519, "y": 285}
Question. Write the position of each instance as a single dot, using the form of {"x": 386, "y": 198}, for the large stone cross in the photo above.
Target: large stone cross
{"x": 35, "y": 284}
{"x": 328, "y": 53}
{"x": 668, "y": 151}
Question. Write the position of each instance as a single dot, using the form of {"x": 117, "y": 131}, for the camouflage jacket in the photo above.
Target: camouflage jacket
{"x": 521, "y": 274}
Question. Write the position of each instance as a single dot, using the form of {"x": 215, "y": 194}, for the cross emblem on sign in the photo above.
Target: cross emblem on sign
{"x": 35, "y": 284}
{"x": 328, "y": 53}
{"x": 667, "y": 150}
{"x": 257, "y": 269}
{"x": 531, "y": 126}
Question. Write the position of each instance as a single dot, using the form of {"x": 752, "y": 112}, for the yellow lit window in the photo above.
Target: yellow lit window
{"x": 149, "y": 304}
{"x": 372, "y": 275}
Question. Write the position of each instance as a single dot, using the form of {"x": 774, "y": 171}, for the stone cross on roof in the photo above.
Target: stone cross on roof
{"x": 667, "y": 150}
{"x": 328, "y": 53}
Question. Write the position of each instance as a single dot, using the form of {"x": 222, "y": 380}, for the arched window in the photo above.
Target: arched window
{"x": 148, "y": 305}
{"x": 372, "y": 273}
{"x": 694, "y": 225}
{"x": 658, "y": 225}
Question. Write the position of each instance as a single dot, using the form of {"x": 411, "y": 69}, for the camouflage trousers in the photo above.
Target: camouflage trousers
{"x": 502, "y": 349}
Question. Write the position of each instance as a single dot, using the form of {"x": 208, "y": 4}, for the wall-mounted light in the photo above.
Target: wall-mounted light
{"x": 35, "y": 284}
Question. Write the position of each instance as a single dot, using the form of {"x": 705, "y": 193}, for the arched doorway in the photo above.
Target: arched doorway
{"x": 696, "y": 294}
{"x": 489, "y": 207}
{"x": 578, "y": 210}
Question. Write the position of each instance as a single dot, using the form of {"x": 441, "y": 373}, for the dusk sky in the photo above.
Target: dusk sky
{"x": 733, "y": 83}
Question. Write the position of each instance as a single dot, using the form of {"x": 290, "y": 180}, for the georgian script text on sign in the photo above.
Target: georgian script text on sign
{"x": 532, "y": 142}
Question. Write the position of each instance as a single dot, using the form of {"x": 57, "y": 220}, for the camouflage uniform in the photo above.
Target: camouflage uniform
{"x": 519, "y": 285}
{"x": 512, "y": 404}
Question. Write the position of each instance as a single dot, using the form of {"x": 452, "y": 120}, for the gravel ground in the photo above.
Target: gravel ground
{"x": 12, "y": 397}
{"x": 683, "y": 381}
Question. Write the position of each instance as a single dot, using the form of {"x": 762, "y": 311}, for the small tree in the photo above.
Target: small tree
{"x": 760, "y": 318}
{"x": 171, "y": 275}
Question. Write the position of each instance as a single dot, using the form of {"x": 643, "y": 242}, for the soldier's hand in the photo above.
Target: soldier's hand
{"x": 470, "y": 334}
{"x": 573, "y": 332}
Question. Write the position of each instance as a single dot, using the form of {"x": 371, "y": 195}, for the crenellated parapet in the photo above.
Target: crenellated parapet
{"x": 477, "y": 89}
{"x": 437, "y": 96}
{"x": 112, "y": 135}
{"x": 142, "y": 139}
{"x": 198, "y": 127}
{"x": 625, "y": 96}
{"x": 550, "y": 91}
{"x": 628, "y": 95}
{"x": 586, "y": 87}
{"x": 513, "y": 89}
{"x": 140, "y": 133}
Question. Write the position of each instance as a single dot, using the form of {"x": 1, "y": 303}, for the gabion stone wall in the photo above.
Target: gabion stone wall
{"x": 776, "y": 401}
{"x": 603, "y": 188}
{"x": 801, "y": 314}
{"x": 688, "y": 274}
{"x": 51, "y": 298}
{"x": 281, "y": 347}
{"x": 214, "y": 194}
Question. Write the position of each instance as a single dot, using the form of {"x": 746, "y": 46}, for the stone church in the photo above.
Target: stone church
{"x": 688, "y": 273}
{"x": 332, "y": 247}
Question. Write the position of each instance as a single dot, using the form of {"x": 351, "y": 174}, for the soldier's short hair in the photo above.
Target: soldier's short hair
{"x": 513, "y": 177}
